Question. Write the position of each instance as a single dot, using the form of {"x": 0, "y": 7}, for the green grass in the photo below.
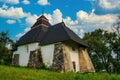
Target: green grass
{"x": 17, "y": 73}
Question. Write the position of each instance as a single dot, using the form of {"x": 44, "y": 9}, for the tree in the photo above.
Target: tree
{"x": 104, "y": 47}
{"x": 116, "y": 45}
{"x": 99, "y": 49}
{"x": 116, "y": 28}
{"x": 5, "y": 53}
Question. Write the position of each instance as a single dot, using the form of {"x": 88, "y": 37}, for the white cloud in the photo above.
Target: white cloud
{"x": 26, "y": 1}
{"x": 86, "y": 22}
{"x": 4, "y": 6}
{"x": 31, "y": 19}
{"x": 54, "y": 18}
{"x": 81, "y": 33}
{"x": 11, "y": 21}
{"x": 27, "y": 29}
{"x": 19, "y": 35}
{"x": 22, "y": 33}
{"x": 57, "y": 16}
{"x": 43, "y": 2}
{"x": 95, "y": 21}
{"x": 109, "y": 4}
{"x": 12, "y": 12}
{"x": 10, "y": 1}
{"x": 69, "y": 21}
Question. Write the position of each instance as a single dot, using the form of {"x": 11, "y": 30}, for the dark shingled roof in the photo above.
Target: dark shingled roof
{"x": 60, "y": 32}
{"x": 34, "y": 35}
{"x": 52, "y": 34}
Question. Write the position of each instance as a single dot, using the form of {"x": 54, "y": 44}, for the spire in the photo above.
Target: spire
{"x": 42, "y": 16}
{"x": 62, "y": 20}
{"x": 42, "y": 21}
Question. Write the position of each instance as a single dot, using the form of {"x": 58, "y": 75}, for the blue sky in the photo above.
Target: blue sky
{"x": 17, "y": 16}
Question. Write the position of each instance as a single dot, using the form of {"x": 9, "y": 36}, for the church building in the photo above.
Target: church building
{"x": 55, "y": 46}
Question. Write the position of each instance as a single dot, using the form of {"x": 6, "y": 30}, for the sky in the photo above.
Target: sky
{"x": 81, "y": 16}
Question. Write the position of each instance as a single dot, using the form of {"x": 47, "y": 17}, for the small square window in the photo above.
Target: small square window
{"x": 73, "y": 48}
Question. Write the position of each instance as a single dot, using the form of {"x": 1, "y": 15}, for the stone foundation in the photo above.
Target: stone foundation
{"x": 58, "y": 59}
{"x": 35, "y": 59}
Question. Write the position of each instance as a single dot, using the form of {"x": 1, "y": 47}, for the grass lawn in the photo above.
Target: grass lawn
{"x": 17, "y": 73}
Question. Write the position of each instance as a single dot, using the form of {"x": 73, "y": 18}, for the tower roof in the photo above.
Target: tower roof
{"x": 42, "y": 21}
{"x": 42, "y": 17}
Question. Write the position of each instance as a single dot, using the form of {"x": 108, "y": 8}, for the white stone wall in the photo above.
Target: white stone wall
{"x": 47, "y": 52}
{"x": 24, "y": 52}
{"x": 74, "y": 56}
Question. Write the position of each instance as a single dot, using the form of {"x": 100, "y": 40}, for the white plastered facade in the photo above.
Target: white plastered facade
{"x": 47, "y": 52}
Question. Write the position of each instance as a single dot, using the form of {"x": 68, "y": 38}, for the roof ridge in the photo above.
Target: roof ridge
{"x": 67, "y": 31}
{"x": 63, "y": 26}
{"x": 44, "y": 36}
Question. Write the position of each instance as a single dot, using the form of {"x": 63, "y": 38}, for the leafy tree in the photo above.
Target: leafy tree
{"x": 104, "y": 47}
{"x": 5, "y": 53}
{"x": 100, "y": 50}
{"x": 116, "y": 45}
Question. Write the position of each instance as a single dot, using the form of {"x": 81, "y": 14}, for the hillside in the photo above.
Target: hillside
{"x": 16, "y": 73}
